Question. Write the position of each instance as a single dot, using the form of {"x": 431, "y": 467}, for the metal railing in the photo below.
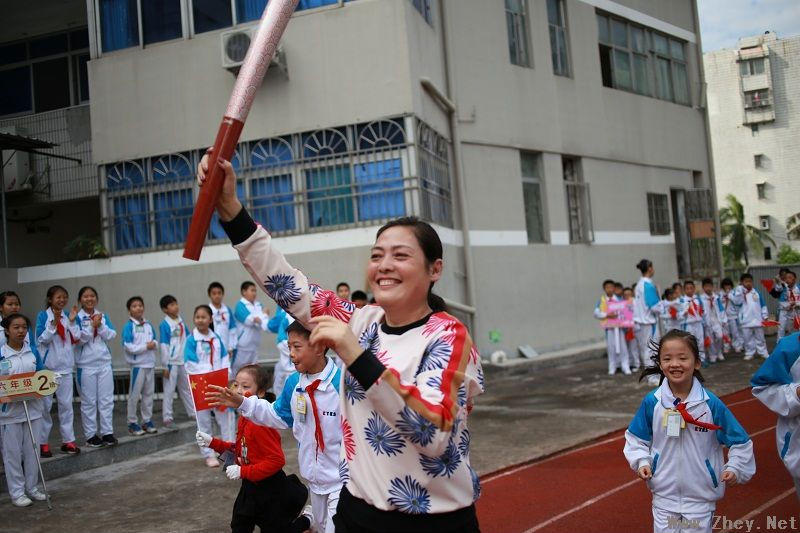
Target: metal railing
{"x": 52, "y": 179}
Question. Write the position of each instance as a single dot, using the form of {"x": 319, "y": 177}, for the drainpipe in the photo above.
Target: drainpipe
{"x": 707, "y": 126}
{"x": 446, "y": 101}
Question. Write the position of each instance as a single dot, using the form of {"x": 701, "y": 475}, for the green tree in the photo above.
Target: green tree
{"x": 788, "y": 255}
{"x": 738, "y": 237}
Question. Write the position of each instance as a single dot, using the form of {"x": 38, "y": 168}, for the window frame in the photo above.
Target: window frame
{"x": 658, "y": 215}
{"x": 579, "y": 217}
{"x": 560, "y": 70}
{"x": 519, "y": 21}
{"x": 538, "y": 181}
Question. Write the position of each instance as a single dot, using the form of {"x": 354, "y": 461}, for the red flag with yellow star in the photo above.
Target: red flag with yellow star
{"x": 199, "y": 384}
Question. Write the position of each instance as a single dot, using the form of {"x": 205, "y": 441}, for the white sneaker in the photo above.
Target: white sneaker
{"x": 212, "y": 462}
{"x": 720, "y": 357}
{"x": 22, "y": 501}
{"x": 627, "y": 372}
{"x": 764, "y": 356}
{"x": 748, "y": 357}
{"x": 37, "y": 495}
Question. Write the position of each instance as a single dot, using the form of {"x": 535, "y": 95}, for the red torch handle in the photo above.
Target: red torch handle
{"x": 224, "y": 147}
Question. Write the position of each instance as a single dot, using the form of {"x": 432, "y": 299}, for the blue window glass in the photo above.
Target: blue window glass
{"x": 161, "y": 20}
{"x": 311, "y": 4}
{"x": 13, "y": 53}
{"x": 173, "y": 213}
{"x": 247, "y": 10}
{"x": 273, "y": 202}
{"x": 379, "y": 185}
{"x": 49, "y": 46}
{"x": 15, "y": 91}
{"x": 131, "y": 230}
{"x": 119, "y": 24}
{"x": 173, "y": 167}
{"x": 124, "y": 175}
{"x": 330, "y": 200}
{"x": 211, "y": 15}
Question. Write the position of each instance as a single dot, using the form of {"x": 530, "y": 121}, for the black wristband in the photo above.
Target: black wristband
{"x": 240, "y": 227}
{"x": 366, "y": 369}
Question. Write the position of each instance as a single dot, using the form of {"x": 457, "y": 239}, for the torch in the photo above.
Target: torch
{"x": 273, "y": 22}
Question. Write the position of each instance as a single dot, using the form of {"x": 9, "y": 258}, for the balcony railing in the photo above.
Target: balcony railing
{"x": 52, "y": 179}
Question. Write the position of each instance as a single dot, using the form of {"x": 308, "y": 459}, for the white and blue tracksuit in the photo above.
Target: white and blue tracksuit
{"x": 686, "y": 470}
{"x": 646, "y": 310}
{"x": 142, "y": 360}
{"x": 203, "y": 353}
{"x": 714, "y": 325}
{"x": 249, "y": 333}
{"x": 225, "y": 325}
{"x": 667, "y": 318}
{"x": 693, "y": 320}
{"x": 94, "y": 376}
{"x": 789, "y": 305}
{"x": 319, "y": 467}
{"x": 733, "y": 327}
{"x": 615, "y": 338}
{"x": 58, "y": 355}
{"x": 776, "y": 385}
{"x": 172, "y": 337}
{"x": 752, "y": 312}
{"x": 284, "y": 367}
{"x": 19, "y": 452}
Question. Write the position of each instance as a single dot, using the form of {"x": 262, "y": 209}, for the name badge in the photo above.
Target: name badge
{"x": 139, "y": 329}
{"x": 301, "y": 406}
{"x": 674, "y": 423}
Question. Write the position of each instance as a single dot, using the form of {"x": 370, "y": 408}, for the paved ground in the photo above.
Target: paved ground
{"x": 527, "y": 412}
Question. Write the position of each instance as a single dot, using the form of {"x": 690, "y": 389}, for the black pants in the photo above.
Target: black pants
{"x": 271, "y": 504}
{"x": 354, "y": 515}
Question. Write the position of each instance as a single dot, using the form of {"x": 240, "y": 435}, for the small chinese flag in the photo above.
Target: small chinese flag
{"x": 200, "y": 382}
{"x": 768, "y": 284}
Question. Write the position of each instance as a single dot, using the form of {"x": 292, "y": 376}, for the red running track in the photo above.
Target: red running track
{"x": 591, "y": 488}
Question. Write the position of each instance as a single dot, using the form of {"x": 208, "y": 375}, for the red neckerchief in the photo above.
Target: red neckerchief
{"x": 681, "y": 407}
{"x": 317, "y": 426}
{"x": 60, "y": 329}
{"x": 210, "y": 349}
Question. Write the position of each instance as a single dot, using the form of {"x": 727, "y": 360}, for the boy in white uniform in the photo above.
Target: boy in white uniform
{"x": 224, "y": 321}
{"x": 732, "y": 314}
{"x": 173, "y": 333}
{"x": 615, "y": 339}
{"x": 789, "y": 304}
{"x": 715, "y": 318}
{"x": 693, "y": 321}
{"x": 752, "y": 313}
{"x": 139, "y": 343}
{"x": 253, "y": 319}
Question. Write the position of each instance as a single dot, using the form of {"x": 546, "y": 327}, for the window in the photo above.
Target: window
{"x": 557, "y": 21}
{"x": 638, "y": 59}
{"x": 658, "y": 213}
{"x": 578, "y": 204}
{"x": 754, "y": 130}
{"x": 532, "y": 196}
{"x": 517, "y": 24}
{"x": 424, "y": 8}
{"x": 44, "y": 73}
{"x": 211, "y": 15}
{"x": 761, "y": 191}
{"x": 756, "y": 99}
{"x": 119, "y": 24}
{"x": 751, "y": 67}
{"x": 763, "y": 222}
{"x": 767, "y": 253}
{"x": 161, "y": 20}
{"x": 758, "y": 160}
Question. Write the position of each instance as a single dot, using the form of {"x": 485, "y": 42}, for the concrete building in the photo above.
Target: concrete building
{"x": 552, "y": 144}
{"x": 753, "y": 94}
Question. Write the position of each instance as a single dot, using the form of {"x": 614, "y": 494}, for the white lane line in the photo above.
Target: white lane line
{"x": 741, "y": 402}
{"x": 764, "y": 507}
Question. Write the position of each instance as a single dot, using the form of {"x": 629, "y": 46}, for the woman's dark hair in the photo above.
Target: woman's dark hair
{"x": 87, "y": 288}
{"x": 5, "y": 295}
{"x": 431, "y": 246}
{"x": 643, "y": 265}
{"x": 258, "y": 374}
{"x": 51, "y": 292}
{"x": 207, "y": 310}
{"x": 655, "y": 347}
{"x": 6, "y": 322}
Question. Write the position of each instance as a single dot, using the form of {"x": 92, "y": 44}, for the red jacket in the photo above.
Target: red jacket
{"x": 257, "y": 448}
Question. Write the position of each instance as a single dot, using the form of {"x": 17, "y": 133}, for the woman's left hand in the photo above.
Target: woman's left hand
{"x": 729, "y": 477}
{"x": 335, "y": 334}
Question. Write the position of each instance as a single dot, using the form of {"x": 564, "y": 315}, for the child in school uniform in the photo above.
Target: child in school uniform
{"x": 252, "y": 318}
{"x": 140, "y": 346}
{"x": 309, "y": 404}
{"x": 19, "y": 455}
{"x": 715, "y": 318}
{"x": 224, "y": 320}
{"x": 284, "y": 367}
{"x": 752, "y": 313}
{"x": 95, "y": 378}
{"x": 694, "y": 317}
{"x": 777, "y": 385}
{"x": 630, "y": 333}
{"x": 789, "y": 305}
{"x": 732, "y": 326}
{"x": 205, "y": 352}
{"x": 675, "y": 440}
{"x": 56, "y": 348}
{"x": 672, "y": 311}
{"x": 615, "y": 340}
{"x": 267, "y": 497}
{"x": 173, "y": 335}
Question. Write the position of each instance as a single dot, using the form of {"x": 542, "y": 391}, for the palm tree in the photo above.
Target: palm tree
{"x": 793, "y": 226}
{"x": 738, "y": 238}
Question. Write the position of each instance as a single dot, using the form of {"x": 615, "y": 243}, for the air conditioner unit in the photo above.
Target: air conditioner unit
{"x": 235, "y": 44}
{"x": 764, "y": 222}
{"x": 17, "y": 175}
